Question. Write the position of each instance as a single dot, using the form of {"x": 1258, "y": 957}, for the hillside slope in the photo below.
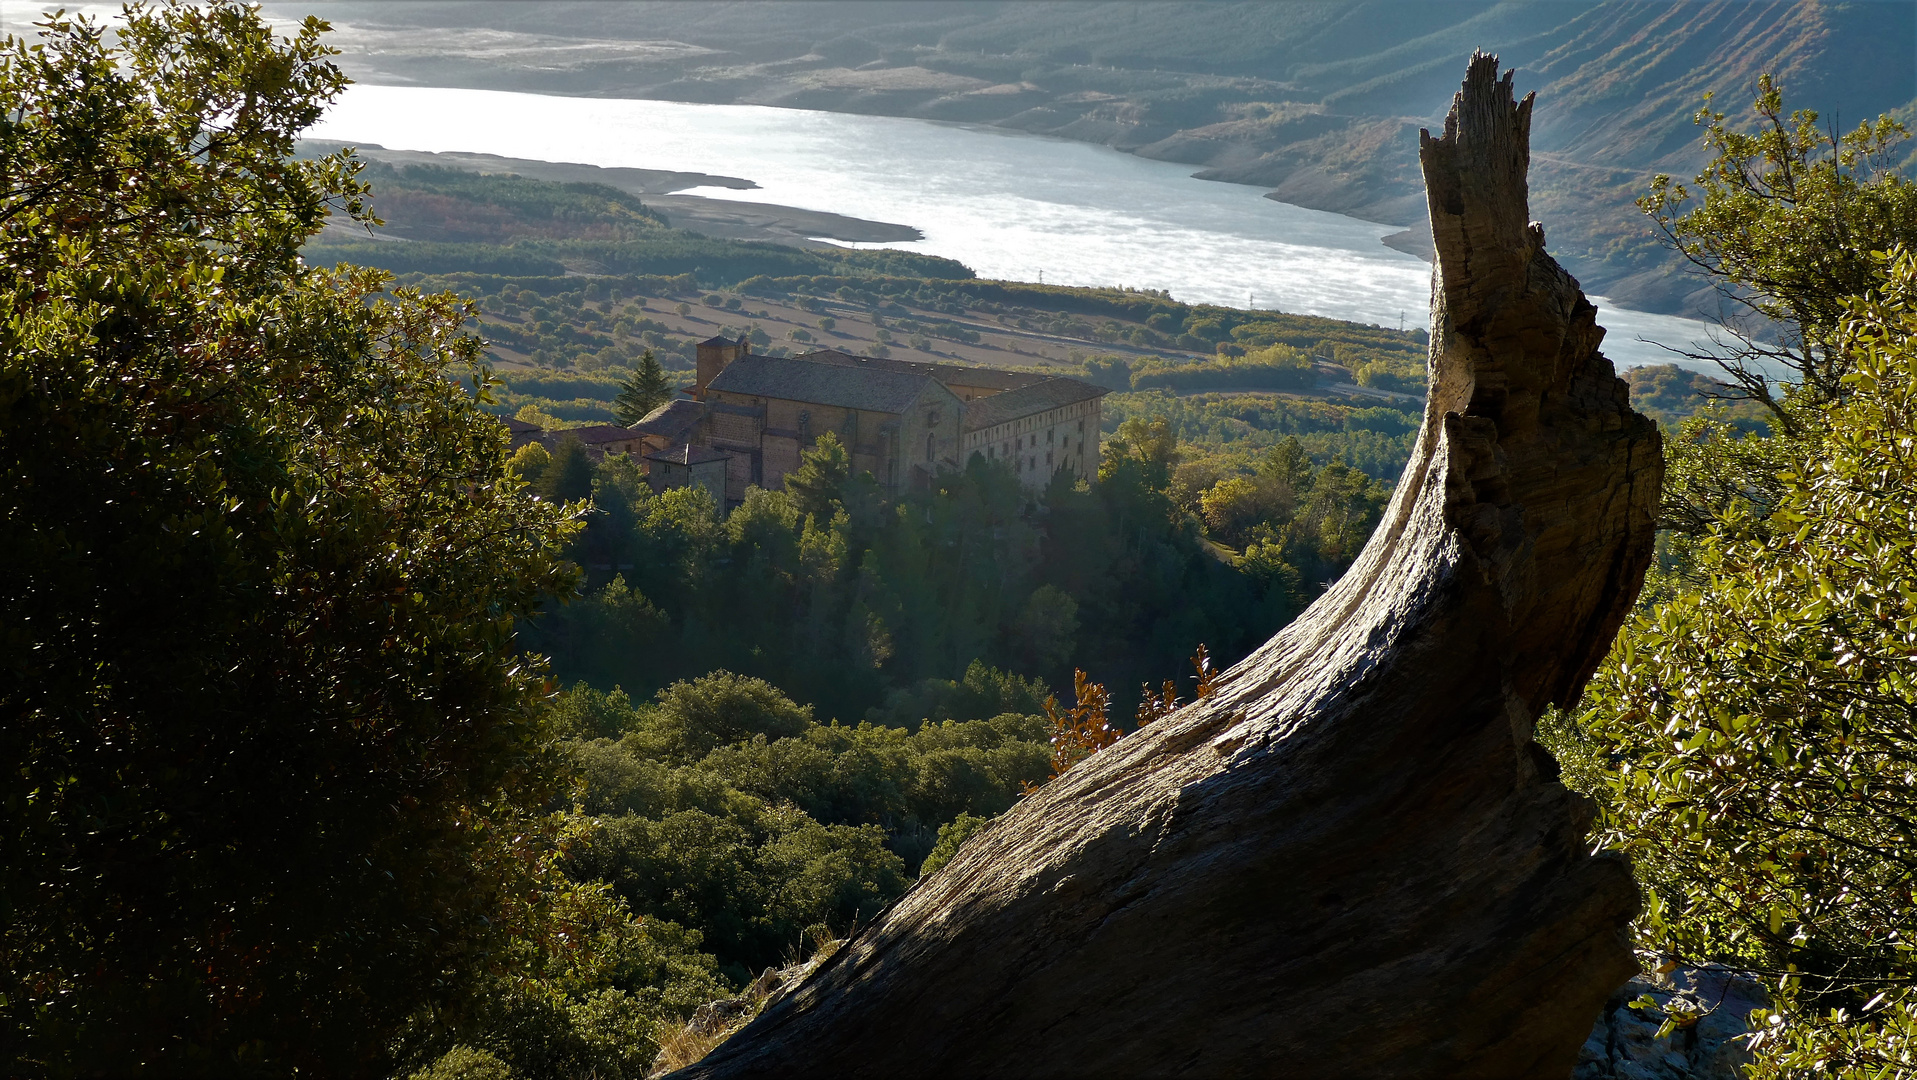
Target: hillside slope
{"x": 1318, "y": 102}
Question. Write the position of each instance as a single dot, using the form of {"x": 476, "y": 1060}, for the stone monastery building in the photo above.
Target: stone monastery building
{"x": 901, "y": 420}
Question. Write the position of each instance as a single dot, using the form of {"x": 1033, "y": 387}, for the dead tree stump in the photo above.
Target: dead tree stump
{"x": 1353, "y": 860}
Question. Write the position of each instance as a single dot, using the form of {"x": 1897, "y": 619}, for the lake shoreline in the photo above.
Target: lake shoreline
{"x": 1007, "y": 204}
{"x": 661, "y": 189}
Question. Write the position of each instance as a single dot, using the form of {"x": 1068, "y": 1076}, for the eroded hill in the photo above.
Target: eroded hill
{"x": 1319, "y": 102}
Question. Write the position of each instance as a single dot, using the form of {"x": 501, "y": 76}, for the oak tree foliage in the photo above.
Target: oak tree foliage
{"x": 273, "y": 763}
{"x": 1754, "y": 740}
{"x": 1749, "y": 737}
{"x": 1782, "y": 222}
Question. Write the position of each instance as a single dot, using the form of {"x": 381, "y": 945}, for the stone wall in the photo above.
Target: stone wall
{"x": 1040, "y": 444}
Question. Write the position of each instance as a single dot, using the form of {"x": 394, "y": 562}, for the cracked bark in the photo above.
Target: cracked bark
{"x": 1353, "y": 860}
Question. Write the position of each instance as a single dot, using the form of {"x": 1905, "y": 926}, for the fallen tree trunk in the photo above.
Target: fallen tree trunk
{"x": 1352, "y": 860}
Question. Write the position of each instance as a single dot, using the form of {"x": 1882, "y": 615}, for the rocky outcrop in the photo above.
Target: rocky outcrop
{"x": 1625, "y": 1045}
{"x": 1352, "y": 859}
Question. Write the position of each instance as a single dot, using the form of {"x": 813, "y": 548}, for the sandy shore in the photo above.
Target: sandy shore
{"x": 724, "y": 218}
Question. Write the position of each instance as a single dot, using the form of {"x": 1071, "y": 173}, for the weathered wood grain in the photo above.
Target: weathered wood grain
{"x": 1353, "y": 860}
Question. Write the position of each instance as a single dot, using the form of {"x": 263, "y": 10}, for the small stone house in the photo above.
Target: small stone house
{"x": 598, "y": 440}
{"x": 673, "y": 424}
{"x": 519, "y": 432}
{"x": 688, "y": 466}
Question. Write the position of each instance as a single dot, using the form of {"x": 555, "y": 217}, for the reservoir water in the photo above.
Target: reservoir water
{"x": 1007, "y": 204}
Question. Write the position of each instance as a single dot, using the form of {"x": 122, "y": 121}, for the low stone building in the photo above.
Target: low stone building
{"x": 688, "y": 466}
{"x": 519, "y": 432}
{"x": 673, "y": 424}
{"x": 598, "y": 440}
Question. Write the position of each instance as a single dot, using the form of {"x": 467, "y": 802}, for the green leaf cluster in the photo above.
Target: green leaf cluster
{"x": 842, "y": 596}
{"x": 1274, "y": 367}
{"x": 1315, "y": 519}
{"x": 1754, "y": 732}
{"x": 275, "y": 768}
{"x": 1223, "y": 434}
{"x": 1783, "y": 221}
{"x": 722, "y": 806}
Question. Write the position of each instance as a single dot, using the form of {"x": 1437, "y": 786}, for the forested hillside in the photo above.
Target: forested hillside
{"x": 1319, "y": 102}
{"x": 341, "y": 739}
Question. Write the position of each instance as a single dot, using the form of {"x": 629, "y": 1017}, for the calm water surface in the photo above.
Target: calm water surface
{"x": 1007, "y": 204}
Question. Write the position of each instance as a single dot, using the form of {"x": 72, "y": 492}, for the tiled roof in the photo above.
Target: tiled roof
{"x": 1053, "y": 393}
{"x": 962, "y": 374}
{"x": 687, "y": 455}
{"x": 599, "y": 434}
{"x": 792, "y": 379}
{"x": 516, "y": 426}
{"x": 721, "y": 339}
{"x": 671, "y": 419}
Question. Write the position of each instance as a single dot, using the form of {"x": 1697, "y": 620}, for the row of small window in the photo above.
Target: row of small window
{"x": 1005, "y": 449}
{"x": 1023, "y": 463}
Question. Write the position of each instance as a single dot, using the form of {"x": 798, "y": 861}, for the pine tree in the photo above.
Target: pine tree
{"x": 648, "y": 389}
{"x": 820, "y": 479}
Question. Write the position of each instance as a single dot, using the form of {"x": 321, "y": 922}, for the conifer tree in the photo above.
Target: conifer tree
{"x": 820, "y": 479}
{"x": 648, "y": 389}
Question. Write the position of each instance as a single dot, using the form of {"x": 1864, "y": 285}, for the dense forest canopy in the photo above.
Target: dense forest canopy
{"x": 855, "y": 598}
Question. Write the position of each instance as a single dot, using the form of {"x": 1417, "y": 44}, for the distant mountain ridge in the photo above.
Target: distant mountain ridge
{"x": 1318, "y": 102}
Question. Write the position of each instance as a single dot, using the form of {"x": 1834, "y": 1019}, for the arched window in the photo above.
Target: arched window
{"x": 931, "y": 446}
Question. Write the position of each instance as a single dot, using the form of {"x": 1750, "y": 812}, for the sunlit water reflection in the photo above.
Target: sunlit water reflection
{"x": 1007, "y": 204}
